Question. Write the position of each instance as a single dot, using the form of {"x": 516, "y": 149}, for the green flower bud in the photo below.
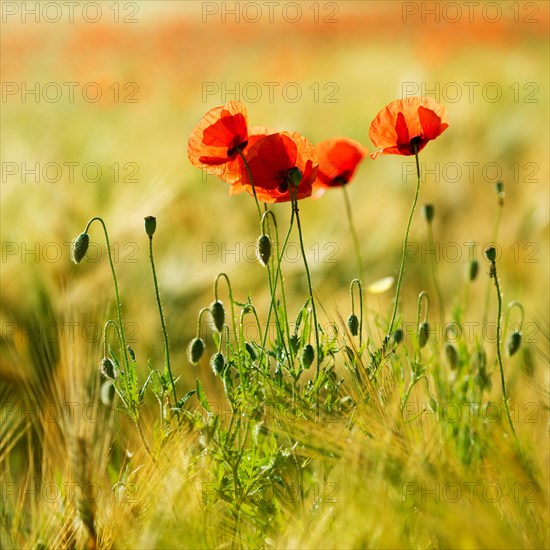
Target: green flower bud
{"x": 308, "y": 354}
{"x": 396, "y": 337}
{"x": 107, "y": 368}
{"x": 294, "y": 176}
{"x": 217, "y": 363}
{"x": 353, "y": 324}
{"x": 514, "y": 343}
{"x": 150, "y": 225}
{"x": 491, "y": 254}
{"x": 251, "y": 351}
{"x": 263, "y": 249}
{"x": 195, "y": 350}
{"x": 423, "y": 333}
{"x": 218, "y": 314}
{"x": 80, "y": 247}
{"x": 473, "y": 270}
{"x": 452, "y": 355}
{"x": 428, "y": 212}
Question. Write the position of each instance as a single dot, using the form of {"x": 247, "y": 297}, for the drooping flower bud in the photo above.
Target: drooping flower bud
{"x": 452, "y": 355}
{"x": 150, "y": 225}
{"x": 423, "y": 333}
{"x": 428, "y": 212}
{"x": 218, "y": 314}
{"x": 396, "y": 337}
{"x": 353, "y": 324}
{"x": 80, "y": 247}
{"x": 514, "y": 342}
{"x": 308, "y": 354}
{"x": 107, "y": 368}
{"x": 195, "y": 350}
{"x": 491, "y": 254}
{"x": 263, "y": 249}
{"x": 251, "y": 351}
{"x": 473, "y": 270}
{"x": 217, "y": 363}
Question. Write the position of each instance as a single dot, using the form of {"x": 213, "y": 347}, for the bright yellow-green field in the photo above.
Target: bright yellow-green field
{"x": 98, "y": 101}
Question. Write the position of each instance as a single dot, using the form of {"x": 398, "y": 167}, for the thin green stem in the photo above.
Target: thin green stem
{"x": 251, "y": 183}
{"x": 435, "y": 276}
{"x": 353, "y": 233}
{"x": 496, "y": 227}
{"x": 494, "y": 275}
{"x": 317, "y": 343}
{"x": 405, "y": 242}
{"x": 123, "y": 349}
{"x": 161, "y": 314}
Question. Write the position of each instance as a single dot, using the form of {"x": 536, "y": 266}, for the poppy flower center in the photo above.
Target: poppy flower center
{"x": 341, "y": 179}
{"x": 289, "y": 177}
{"x": 233, "y": 150}
{"x": 416, "y": 140}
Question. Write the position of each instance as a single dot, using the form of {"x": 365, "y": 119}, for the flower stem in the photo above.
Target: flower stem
{"x": 161, "y": 314}
{"x": 435, "y": 276}
{"x": 123, "y": 350}
{"x": 493, "y": 274}
{"x": 405, "y": 241}
{"x": 318, "y": 354}
{"x": 353, "y": 233}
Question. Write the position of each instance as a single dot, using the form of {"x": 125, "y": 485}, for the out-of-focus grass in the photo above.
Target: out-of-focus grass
{"x": 369, "y": 55}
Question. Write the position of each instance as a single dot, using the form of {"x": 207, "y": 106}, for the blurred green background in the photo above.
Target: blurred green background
{"x": 331, "y": 66}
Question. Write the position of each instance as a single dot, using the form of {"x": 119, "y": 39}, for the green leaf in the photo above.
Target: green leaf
{"x": 185, "y": 398}
{"x": 202, "y": 396}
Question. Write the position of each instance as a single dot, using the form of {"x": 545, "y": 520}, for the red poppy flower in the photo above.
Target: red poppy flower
{"x": 217, "y": 138}
{"x": 338, "y": 160}
{"x": 254, "y": 134}
{"x": 271, "y": 160}
{"x": 404, "y": 123}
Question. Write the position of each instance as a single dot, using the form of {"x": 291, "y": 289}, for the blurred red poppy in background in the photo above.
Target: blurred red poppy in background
{"x": 217, "y": 138}
{"x": 338, "y": 160}
{"x": 406, "y": 123}
{"x": 271, "y": 161}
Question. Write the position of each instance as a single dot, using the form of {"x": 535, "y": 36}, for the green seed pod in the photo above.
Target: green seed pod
{"x": 396, "y": 337}
{"x": 218, "y": 314}
{"x": 263, "y": 249}
{"x": 251, "y": 351}
{"x": 107, "y": 368}
{"x": 132, "y": 353}
{"x": 195, "y": 350}
{"x": 423, "y": 333}
{"x": 308, "y": 354}
{"x": 428, "y": 212}
{"x": 491, "y": 254}
{"x": 217, "y": 363}
{"x": 80, "y": 247}
{"x": 514, "y": 342}
{"x": 150, "y": 225}
{"x": 452, "y": 355}
{"x": 353, "y": 324}
{"x": 294, "y": 176}
{"x": 107, "y": 393}
{"x": 473, "y": 270}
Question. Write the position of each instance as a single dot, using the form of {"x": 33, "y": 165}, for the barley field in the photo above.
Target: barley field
{"x": 204, "y": 352}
